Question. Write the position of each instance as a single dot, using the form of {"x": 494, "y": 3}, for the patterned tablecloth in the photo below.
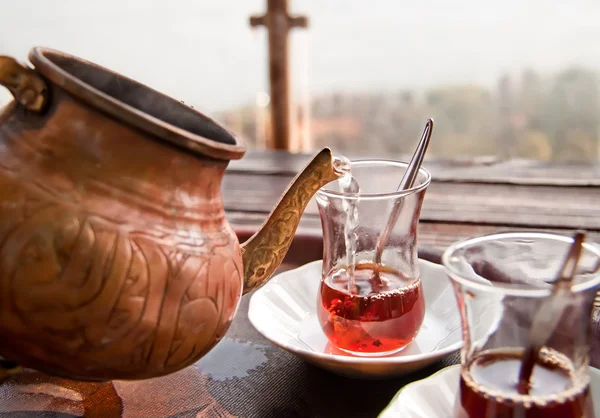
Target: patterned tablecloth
{"x": 243, "y": 376}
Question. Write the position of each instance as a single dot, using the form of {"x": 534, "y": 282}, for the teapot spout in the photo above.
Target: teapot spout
{"x": 265, "y": 250}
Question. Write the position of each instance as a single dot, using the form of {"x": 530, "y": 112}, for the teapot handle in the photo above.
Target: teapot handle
{"x": 27, "y": 87}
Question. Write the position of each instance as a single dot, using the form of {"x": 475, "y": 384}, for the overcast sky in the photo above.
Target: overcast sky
{"x": 203, "y": 52}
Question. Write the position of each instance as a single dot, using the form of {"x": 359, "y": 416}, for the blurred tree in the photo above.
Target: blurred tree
{"x": 578, "y": 145}
{"x": 463, "y": 116}
{"x": 571, "y": 114}
{"x": 532, "y": 97}
{"x": 462, "y": 145}
{"x": 533, "y": 145}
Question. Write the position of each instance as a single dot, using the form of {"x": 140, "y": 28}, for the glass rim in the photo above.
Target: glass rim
{"x": 324, "y": 191}
{"x": 515, "y": 289}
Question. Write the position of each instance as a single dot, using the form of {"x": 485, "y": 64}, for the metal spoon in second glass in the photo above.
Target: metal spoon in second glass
{"x": 550, "y": 312}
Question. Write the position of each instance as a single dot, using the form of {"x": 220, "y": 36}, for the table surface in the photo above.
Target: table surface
{"x": 245, "y": 375}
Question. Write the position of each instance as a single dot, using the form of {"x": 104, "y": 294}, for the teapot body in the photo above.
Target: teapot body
{"x": 116, "y": 260}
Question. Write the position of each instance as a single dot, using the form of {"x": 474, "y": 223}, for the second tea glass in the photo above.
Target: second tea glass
{"x": 367, "y": 309}
{"x": 507, "y": 276}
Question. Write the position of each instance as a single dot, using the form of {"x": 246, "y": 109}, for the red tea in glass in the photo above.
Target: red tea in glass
{"x": 488, "y": 388}
{"x": 379, "y": 315}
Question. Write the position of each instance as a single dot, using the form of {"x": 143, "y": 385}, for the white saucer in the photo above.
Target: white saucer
{"x": 284, "y": 312}
{"x": 434, "y": 396}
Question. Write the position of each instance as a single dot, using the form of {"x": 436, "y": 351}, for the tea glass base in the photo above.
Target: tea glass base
{"x": 375, "y": 354}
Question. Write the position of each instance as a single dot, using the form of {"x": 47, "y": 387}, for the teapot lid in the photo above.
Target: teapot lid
{"x": 138, "y": 105}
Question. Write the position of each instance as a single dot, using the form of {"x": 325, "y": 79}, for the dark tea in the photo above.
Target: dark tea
{"x": 377, "y": 315}
{"x": 488, "y": 388}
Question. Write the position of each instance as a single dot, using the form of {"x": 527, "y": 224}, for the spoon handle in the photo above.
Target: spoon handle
{"x": 408, "y": 179}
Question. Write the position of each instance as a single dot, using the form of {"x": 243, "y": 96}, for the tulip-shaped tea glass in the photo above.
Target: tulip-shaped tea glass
{"x": 510, "y": 274}
{"x": 365, "y": 308}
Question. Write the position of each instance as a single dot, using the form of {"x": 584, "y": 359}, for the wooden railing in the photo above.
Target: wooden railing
{"x": 465, "y": 198}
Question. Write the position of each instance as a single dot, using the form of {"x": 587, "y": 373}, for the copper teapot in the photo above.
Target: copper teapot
{"x": 116, "y": 260}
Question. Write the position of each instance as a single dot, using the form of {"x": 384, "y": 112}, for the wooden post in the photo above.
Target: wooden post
{"x": 278, "y": 22}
